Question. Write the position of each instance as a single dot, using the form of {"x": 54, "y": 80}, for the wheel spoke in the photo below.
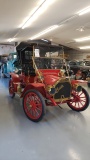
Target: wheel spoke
{"x": 75, "y": 103}
{"x": 36, "y": 111}
{"x": 82, "y": 97}
{"x": 80, "y": 94}
{"x": 83, "y": 100}
{"x": 38, "y": 104}
{"x": 29, "y": 98}
{"x": 38, "y": 108}
{"x": 37, "y": 100}
{"x": 81, "y": 104}
{"x": 31, "y": 111}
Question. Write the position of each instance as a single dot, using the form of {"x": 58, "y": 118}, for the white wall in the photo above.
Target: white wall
{"x": 6, "y": 49}
{"x": 77, "y": 55}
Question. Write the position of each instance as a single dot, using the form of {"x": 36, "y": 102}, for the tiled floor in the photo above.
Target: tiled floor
{"x": 62, "y": 134}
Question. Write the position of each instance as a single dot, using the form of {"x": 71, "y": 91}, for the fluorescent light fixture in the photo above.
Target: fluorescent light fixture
{"x": 44, "y": 40}
{"x": 84, "y": 11}
{"x": 85, "y": 47}
{"x": 82, "y": 39}
{"x": 11, "y": 39}
{"x": 81, "y": 29}
{"x": 44, "y": 32}
{"x": 42, "y": 7}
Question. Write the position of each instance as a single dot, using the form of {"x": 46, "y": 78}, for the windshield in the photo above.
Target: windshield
{"x": 49, "y": 63}
{"x": 49, "y": 58}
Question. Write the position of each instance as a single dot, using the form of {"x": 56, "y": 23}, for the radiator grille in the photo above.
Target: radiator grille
{"x": 63, "y": 90}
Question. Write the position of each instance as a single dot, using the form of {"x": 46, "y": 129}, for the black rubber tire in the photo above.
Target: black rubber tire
{"x": 87, "y": 102}
{"x": 11, "y": 95}
{"x": 43, "y": 105}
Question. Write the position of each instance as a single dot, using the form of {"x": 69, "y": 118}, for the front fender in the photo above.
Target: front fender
{"x": 78, "y": 82}
{"x": 15, "y": 77}
{"x": 37, "y": 86}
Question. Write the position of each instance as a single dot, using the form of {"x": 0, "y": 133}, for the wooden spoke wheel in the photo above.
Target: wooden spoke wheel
{"x": 79, "y": 101}
{"x": 34, "y": 105}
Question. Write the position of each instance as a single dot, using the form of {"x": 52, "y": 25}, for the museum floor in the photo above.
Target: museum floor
{"x": 62, "y": 134}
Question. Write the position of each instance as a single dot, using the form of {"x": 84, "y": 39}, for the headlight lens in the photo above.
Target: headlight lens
{"x": 77, "y": 88}
{"x": 61, "y": 73}
{"x": 51, "y": 90}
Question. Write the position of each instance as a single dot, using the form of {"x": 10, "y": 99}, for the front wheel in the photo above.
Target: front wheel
{"x": 79, "y": 101}
{"x": 34, "y": 105}
{"x": 11, "y": 89}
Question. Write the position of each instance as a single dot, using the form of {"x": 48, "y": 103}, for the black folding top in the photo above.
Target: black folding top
{"x": 26, "y": 44}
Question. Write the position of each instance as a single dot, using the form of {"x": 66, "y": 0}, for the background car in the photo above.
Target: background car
{"x": 74, "y": 65}
{"x": 83, "y": 66}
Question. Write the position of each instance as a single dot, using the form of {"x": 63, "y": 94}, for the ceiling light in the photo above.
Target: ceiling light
{"x": 85, "y": 47}
{"x": 82, "y": 39}
{"x": 45, "y": 40}
{"x": 84, "y": 11}
{"x": 11, "y": 39}
{"x": 42, "y": 7}
{"x": 81, "y": 29}
{"x": 44, "y": 32}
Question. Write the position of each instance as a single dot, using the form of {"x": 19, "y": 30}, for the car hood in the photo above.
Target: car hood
{"x": 50, "y": 79}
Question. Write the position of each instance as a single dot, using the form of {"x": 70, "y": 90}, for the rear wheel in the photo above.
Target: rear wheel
{"x": 79, "y": 101}
{"x": 11, "y": 89}
{"x": 34, "y": 105}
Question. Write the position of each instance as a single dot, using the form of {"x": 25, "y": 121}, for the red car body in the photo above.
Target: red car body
{"x": 42, "y": 87}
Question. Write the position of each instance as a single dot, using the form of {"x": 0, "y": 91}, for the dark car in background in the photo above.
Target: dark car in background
{"x": 74, "y": 65}
{"x": 83, "y": 66}
{"x": 81, "y": 70}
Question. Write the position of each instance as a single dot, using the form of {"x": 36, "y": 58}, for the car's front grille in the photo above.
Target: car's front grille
{"x": 63, "y": 91}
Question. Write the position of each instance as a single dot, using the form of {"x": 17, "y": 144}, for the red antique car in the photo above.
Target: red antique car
{"x": 41, "y": 81}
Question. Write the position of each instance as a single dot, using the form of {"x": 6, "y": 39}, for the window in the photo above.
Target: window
{"x": 28, "y": 55}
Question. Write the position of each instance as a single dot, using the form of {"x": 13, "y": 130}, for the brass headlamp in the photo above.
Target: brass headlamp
{"x": 77, "y": 87}
{"x": 51, "y": 89}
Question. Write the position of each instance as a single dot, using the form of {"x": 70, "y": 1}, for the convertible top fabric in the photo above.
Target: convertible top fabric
{"x": 41, "y": 43}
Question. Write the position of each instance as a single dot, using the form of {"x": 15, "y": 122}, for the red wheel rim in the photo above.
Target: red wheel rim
{"x": 11, "y": 88}
{"x": 79, "y": 100}
{"x": 32, "y": 105}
